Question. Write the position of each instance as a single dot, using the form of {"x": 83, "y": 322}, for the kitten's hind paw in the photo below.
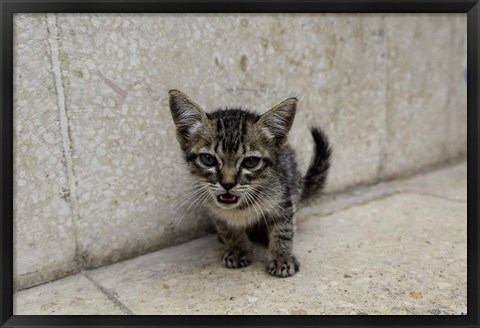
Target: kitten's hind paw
{"x": 283, "y": 266}
{"x": 235, "y": 259}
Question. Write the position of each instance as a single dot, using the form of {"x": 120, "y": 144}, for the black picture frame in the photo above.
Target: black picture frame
{"x": 9, "y": 7}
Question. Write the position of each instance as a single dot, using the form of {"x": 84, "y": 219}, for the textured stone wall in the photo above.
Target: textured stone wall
{"x": 98, "y": 173}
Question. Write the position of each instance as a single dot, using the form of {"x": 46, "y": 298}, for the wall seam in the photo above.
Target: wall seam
{"x": 384, "y": 140}
{"x": 64, "y": 126}
{"x": 446, "y": 105}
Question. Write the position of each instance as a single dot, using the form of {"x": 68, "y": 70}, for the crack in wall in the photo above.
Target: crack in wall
{"x": 64, "y": 126}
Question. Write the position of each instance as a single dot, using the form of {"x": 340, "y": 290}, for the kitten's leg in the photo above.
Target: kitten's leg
{"x": 283, "y": 263}
{"x": 238, "y": 251}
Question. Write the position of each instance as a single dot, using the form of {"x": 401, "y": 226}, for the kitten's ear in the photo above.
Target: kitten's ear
{"x": 186, "y": 114}
{"x": 277, "y": 121}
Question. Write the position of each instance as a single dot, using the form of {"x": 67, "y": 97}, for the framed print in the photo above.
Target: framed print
{"x": 249, "y": 163}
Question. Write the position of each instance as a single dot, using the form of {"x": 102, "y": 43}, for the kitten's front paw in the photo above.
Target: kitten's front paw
{"x": 283, "y": 266}
{"x": 235, "y": 258}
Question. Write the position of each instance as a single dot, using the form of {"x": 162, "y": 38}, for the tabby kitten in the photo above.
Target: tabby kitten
{"x": 247, "y": 176}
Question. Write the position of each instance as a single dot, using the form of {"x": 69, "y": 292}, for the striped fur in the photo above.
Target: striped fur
{"x": 218, "y": 148}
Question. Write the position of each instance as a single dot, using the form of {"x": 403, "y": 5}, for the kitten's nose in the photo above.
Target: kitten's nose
{"x": 228, "y": 186}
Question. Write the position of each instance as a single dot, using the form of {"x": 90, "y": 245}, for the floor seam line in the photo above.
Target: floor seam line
{"x": 108, "y": 294}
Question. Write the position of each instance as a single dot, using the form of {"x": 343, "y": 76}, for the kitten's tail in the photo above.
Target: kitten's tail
{"x": 317, "y": 172}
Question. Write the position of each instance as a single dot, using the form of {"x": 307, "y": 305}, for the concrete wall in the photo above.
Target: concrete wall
{"x": 98, "y": 175}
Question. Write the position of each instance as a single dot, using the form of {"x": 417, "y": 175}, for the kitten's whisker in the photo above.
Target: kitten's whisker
{"x": 191, "y": 195}
{"x": 271, "y": 200}
{"x": 193, "y": 184}
{"x": 261, "y": 212}
{"x": 196, "y": 200}
{"x": 205, "y": 196}
{"x": 266, "y": 195}
{"x": 189, "y": 182}
{"x": 190, "y": 190}
{"x": 202, "y": 202}
{"x": 184, "y": 192}
{"x": 269, "y": 207}
{"x": 188, "y": 195}
{"x": 280, "y": 175}
{"x": 197, "y": 185}
{"x": 266, "y": 187}
{"x": 251, "y": 203}
{"x": 189, "y": 186}
{"x": 276, "y": 190}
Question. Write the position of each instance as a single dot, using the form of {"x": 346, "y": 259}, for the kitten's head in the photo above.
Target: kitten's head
{"x": 231, "y": 152}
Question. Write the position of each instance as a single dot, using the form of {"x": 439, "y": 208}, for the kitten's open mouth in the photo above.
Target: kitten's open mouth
{"x": 227, "y": 198}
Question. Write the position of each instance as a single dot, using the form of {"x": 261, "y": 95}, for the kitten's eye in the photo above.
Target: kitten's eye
{"x": 251, "y": 162}
{"x": 208, "y": 159}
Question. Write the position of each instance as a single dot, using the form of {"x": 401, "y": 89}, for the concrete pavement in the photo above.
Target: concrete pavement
{"x": 398, "y": 247}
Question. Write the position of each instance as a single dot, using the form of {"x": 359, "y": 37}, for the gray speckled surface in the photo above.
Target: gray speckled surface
{"x": 74, "y": 295}
{"x": 419, "y": 87}
{"x": 456, "y": 136}
{"x": 44, "y": 234}
{"x": 400, "y": 253}
{"x": 388, "y": 95}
